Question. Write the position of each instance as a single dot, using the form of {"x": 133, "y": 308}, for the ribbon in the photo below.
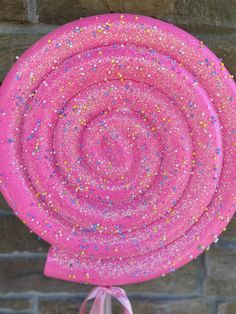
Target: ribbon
{"x": 100, "y": 294}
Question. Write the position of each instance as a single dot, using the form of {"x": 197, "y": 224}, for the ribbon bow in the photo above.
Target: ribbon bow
{"x": 100, "y": 294}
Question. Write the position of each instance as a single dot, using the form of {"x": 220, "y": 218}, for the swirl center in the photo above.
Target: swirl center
{"x": 119, "y": 148}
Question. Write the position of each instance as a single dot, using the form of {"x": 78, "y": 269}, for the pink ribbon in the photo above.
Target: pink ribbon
{"x": 100, "y": 294}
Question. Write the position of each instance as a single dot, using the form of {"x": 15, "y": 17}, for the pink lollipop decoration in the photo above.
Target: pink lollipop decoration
{"x": 118, "y": 148}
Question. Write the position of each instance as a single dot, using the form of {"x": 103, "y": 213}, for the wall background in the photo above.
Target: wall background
{"x": 206, "y": 285}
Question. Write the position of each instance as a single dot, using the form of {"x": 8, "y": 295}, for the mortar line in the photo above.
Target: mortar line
{"x": 35, "y": 296}
{"x": 226, "y": 244}
{"x": 34, "y": 303}
{"x": 6, "y": 212}
{"x": 24, "y": 254}
{"x": 202, "y": 272}
{"x": 14, "y": 28}
{"x": 31, "y": 7}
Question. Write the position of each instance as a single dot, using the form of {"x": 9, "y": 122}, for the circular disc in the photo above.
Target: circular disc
{"x": 118, "y": 147}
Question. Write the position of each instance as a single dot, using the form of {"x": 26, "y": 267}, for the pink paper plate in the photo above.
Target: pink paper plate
{"x": 118, "y": 147}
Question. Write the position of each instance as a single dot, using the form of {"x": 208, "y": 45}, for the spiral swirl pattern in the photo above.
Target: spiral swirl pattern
{"x": 112, "y": 147}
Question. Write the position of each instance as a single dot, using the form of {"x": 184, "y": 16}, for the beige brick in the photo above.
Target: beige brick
{"x": 59, "y": 306}
{"x": 182, "y": 281}
{"x": 221, "y": 272}
{"x": 12, "y": 45}
{"x": 224, "y": 46}
{"x": 230, "y": 233}
{"x": 194, "y": 306}
{"x": 227, "y": 308}
{"x": 13, "y": 10}
{"x": 71, "y": 306}
{"x": 210, "y": 12}
{"x": 3, "y": 204}
{"x": 26, "y": 274}
{"x": 14, "y": 304}
{"x": 15, "y": 236}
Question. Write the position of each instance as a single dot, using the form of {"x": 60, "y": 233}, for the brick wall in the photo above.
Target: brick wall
{"x": 206, "y": 285}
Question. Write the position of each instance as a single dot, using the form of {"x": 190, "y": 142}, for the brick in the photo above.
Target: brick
{"x": 194, "y": 306}
{"x": 70, "y": 306}
{"x": 221, "y": 272}
{"x": 227, "y": 308}
{"x": 224, "y": 47}
{"x": 182, "y": 281}
{"x": 3, "y": 204}
{"x": 230, "y": 233}
{"x": 13, "y": 10}
{"x": 15, "y": 39}
{"x": 14, "y": 304}
{"x": 61, "y": 11}
{"x": 59, "y": 306}
{"x": 12, "y": 45}
{"x": 15, "y": 236}
{"x": 26, "y": 274}
{"x": 221, "y": 40}
{"x": 210, "y": 12}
